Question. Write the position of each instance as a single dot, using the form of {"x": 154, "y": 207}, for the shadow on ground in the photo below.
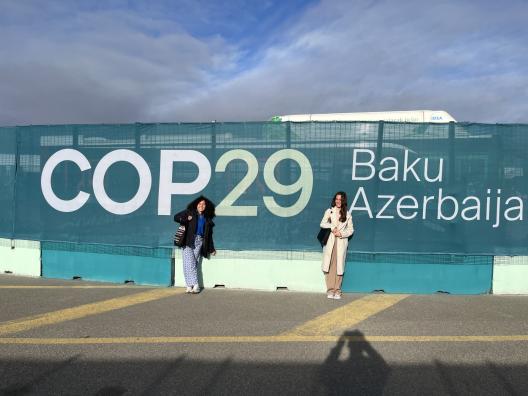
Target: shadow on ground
{"x": 353, "y": 367}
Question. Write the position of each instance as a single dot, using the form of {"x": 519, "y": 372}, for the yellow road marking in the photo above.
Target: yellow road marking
{"x": 63, "y": 315}
{"x": 346, "y": 316}
{"x": 257, "y": 339}
{"x": 75, "y": 287}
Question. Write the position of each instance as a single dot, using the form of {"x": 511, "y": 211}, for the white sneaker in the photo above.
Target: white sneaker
{"x": 337, "y": 296}
{"x": 196, "y": 289}
{"x": 330, "y": 296}
{"x": 188, "y": 289}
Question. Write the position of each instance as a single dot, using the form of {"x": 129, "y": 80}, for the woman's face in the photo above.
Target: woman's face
{"x": 200, "y": 207}
{"x": 338, "y": 201}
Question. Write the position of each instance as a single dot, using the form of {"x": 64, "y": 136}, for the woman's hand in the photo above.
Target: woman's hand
{"x": 336, "y": 232}
{"x": 213, "y": 252}
{"x": 189, "y": 218}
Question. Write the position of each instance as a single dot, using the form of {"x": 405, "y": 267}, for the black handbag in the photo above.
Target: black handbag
{"x": 323, "y": 235}
{"x": 179, "y": 236}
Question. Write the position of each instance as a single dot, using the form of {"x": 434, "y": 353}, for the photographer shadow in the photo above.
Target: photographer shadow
{"x": 362, "y": 372}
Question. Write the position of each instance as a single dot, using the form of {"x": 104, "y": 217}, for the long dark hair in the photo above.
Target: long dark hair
{"x": 209, "y": 206}
{"x": 343, "y": 211}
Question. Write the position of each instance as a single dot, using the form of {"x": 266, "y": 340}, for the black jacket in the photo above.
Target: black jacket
{"x": 190, "y": 231}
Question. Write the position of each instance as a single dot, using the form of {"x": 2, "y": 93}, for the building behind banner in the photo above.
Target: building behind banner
{"x": 438, "y": 206}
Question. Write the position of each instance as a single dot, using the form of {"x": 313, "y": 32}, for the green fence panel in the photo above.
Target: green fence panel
{"x": 7, "y": 181}
{"x": 412, "y": 187}
{"x": 418, "y": 273}
{"x": 107, "y": 263}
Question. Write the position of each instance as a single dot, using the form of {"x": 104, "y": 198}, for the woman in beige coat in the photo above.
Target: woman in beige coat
{"x": 334, "y": 253}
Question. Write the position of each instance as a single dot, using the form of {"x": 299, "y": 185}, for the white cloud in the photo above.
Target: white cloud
{"x": 93, "y": 67}
{"x": 465, "y": 58}
{"x": 121, "y": 66}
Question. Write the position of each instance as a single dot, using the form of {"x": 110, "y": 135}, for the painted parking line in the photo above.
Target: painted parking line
{"x": 63, "y": 315}
{"x": 257, "y": 339}
{"x": 347, "y": 316}
{"x": 75, "y": 287}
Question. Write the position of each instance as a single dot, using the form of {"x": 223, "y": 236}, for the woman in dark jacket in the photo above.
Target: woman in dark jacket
{"x": 198, "y": 221}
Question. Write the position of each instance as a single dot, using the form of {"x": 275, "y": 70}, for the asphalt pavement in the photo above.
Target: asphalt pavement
{"x": 88, "y": 338}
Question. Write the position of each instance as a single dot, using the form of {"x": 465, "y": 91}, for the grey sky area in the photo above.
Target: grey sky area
{"x": 69, "y": 62}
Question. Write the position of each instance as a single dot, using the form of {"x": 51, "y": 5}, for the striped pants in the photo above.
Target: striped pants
{"x": 191, "y": 258}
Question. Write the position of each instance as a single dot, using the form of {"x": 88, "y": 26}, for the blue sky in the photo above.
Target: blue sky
{"x": 163, "y": 61}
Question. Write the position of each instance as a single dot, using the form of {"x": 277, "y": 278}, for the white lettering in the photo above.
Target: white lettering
{"x": 475, "y": 207}
{"x": 367, "y": 164}
{"x": 401, "y": 206}
{"x": 393, "y": 168}
{"x": 360, "y": 193}
{"x": 380, "y": 215}
{"x": 438, "y": 177}
{"x": 409, "y": 168}
{"x": 55, "y": 202}
{"x": 441, "y": 201}
{"x": 166, "y": 186}
{"x": 519, "y": 208}
{"x": 145, "y": 181}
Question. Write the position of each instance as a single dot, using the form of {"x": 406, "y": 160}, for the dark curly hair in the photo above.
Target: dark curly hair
{"x": 209, "y": 206}
{"x": 343, "y": 211}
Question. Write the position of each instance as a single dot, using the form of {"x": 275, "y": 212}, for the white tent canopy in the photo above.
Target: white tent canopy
{"x": 436, "y": 116}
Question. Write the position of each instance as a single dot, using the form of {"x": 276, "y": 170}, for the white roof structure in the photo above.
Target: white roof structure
{"x": 435, "y": 116}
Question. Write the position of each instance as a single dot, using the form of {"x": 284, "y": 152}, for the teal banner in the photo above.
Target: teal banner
{"x": 8, "y": 149}
{"x": 412, "y": 187}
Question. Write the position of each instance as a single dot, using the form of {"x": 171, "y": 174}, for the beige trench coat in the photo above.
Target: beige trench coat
{"x": 331, "y": 220}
